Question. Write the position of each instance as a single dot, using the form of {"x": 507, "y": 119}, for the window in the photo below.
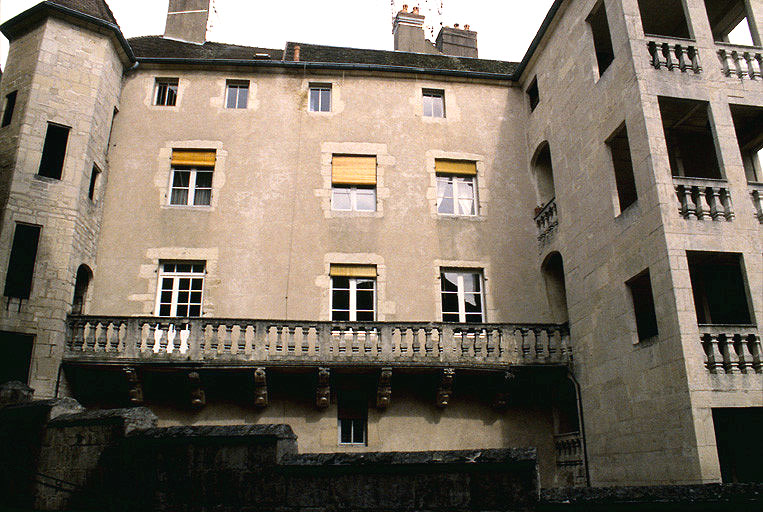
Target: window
{"x": 664, "y": 18}
{"x": 166, "y": 92}
{"x": 434, "y": 103}
{"x": 533, "y": 94}
{"x": 17, "y": 356}
{"x": 690, "y": 138}
{"x": 352, "y": 415}
{"x": 602, "y": 40}
{"x": 18, "y": 279}
{"x": 462, "y": 297}
{"x": 353, "y": 293}
{"x": 54, "y": 151}
{"x": 625, "y": 182}
{"x": 93, "y": 181}
{"x": 737, "y": 434}
{"x": 456, "y": 187}
{"x": 643, "y": 305}
{"x": 237, "y": 94}
{"x": 192, "y": 177}
{"x": 748, "y": 124}
{"x": 719, "y": 288}
{"x": 320, "y": 97}
{"x": 353, "y": 183}
{"x": 180, "y": 289}
{"x": 729, "y": 22}
{"x": 10, "y": 104}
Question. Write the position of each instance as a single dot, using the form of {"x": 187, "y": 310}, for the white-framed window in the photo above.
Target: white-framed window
{"x": 181, "y": 289}
{"x": 353, "y": 199}
{"x": 237, "y": 94}
{"x": 456, "y": 195}
{"x": 353, "y": 293}
{"x": 191, "y": 187}
{"x": 434, "y": 102}
{"x": 462, "y": 296}
{"x": 166, "y": 92}
{"x": 320, "y": 98}
{"x": 352, "y": 419}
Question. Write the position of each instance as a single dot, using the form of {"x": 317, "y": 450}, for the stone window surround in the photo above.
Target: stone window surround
{"x": 163, "y": 176}
{"x": 481, "y": 190}
{"x": 150, "y": 86}
{"x": 489, "y": 311}
{"x": 452, "y": 112}
{"x": 323, "y": 282}
{"x": 337, "y": 105}
{"x": 384, "y": 161}
{"x": 219, "y": 102}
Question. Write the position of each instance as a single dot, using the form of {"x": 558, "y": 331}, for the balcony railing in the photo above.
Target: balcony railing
{"x": 546, "y": 220}
{"x": 248, "y": 342}
{"x": 731, "y": 348}
{"x": 673, "y": 53}
{"x": 741, "y": 61}
{"x": 703, "y": 198}
{"x": 756, "y": 191}
{"x": 569, "y": 449}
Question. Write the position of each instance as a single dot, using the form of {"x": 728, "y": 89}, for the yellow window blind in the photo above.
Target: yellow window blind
{"x": 458, "y": 167}
{"x": 353, "y": 170}
{"x": 193, "y": 157}
{"x": 342, "y": 270}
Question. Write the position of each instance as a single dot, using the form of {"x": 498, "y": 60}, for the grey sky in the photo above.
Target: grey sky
{"x": 505, "y": 27}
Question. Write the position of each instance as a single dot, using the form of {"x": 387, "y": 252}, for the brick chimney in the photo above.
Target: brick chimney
{"x": 460, "y": 42}
{"x": 408, "y": 31}
{"x": 187, "y": 20}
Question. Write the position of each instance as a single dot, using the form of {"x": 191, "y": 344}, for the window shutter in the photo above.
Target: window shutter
{"x": 353, "y": 170}
{"x": 341, "y": 270}
{"x": 193, "y": 157}
{"x": 455, "y": 167}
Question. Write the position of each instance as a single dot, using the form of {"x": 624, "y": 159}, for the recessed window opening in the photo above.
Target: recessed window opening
{"x": 166, "y": 92}
{"x": 533, "y": 94}
{"x": 320, "y": 97}
{"x": 54, "y": 151}
{"x": 192, "y": 177}
{"x": 353, "y": 293}
{"x": 543, "y": 171}
{"x": 719, "y": 288}
{"x": 10, "y": 105}
{"x": 602, "y": 40}
{"x": 180, "y": 290}
{"x": 556, "y": 291}
{"x": 737, "y": 434}
{"x": 352, "y": 416}
{"x": 625, "y": 182}
{"x": 17, "y": 356}
{"x": 462, "y": 296}
{"x": 18, "y": 279}
{"x": 456, "y": 187}
{"x": 690, "y": 138}
{"x": 94, "y": 173}
{"x": 729, "y": 22}
{"x": 353, "y": 183}
{"x": 664, "y": 18}
{"x": 434, "y": 102}
{"x": 748, "y": 124}
{"x": 643, "y": 305}
{"x": 237, "y": 94}
{"x": 81, "y": 285}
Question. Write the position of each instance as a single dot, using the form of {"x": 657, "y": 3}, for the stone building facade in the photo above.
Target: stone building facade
{"x": 400, "y": 250}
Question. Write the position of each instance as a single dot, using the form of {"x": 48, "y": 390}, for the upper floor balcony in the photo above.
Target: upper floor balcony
{"x": 257, "y": 343}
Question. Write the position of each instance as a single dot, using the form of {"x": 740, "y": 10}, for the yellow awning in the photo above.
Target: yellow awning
{"x": 353, "y": 170}
{"x": 457, "y": 167}
{"x": 193, "y": 157}
{"x": 343, "y": 270}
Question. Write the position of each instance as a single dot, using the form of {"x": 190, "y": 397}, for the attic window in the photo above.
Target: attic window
{"x": 262, "y": 56}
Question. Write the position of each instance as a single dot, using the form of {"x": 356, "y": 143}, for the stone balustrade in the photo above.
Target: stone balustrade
{"x": 674, "y": 53}
{"x": 546, "y": 220}
{"x": 703, "y": 198}
{"x": 731, "y": 348}
{"x": 260, "y": 342}
{"x": 741, "y": 61}
{"x": 756, "y": 191}
{"x": 569, "y": 449}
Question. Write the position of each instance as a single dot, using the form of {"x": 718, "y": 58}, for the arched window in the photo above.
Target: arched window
{"x": 82, "y": 283}
{"x": 553, "y": 274}
{"x": 543, "y": 174}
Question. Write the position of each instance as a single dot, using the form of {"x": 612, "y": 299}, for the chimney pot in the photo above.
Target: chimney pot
{"x": 405, "y": 8}
{"x": 415, "y": 10}
{"x": 456, "y": 25}
{"x": 466, "y": 27}
{"x": 296, "y": 53}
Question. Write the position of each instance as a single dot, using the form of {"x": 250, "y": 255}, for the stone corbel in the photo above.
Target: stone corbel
{"x": 503, "y": 396}
{"x": 134, "y": 386}
{"x": 445, "y": 390}
{"x": 197, "y": 395}
{"x": 260, "y": 388}
{"x": 384, "y": 389}
{"x": 323, "y": 391}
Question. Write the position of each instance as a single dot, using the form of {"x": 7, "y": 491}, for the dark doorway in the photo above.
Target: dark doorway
{"x": 737, "y": 436}
{"x": 17, "y": 356}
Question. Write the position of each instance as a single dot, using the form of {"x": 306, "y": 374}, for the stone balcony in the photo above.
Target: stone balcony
{"x": 756, "y": 191}
{"x": 547, "y": 221}
{"x": 234, "y": 343}
{"x": 703, "y": 198}
{"x": 673, "y": 54}
{"x": 731, "y": 349}
{"x": 743, "y": 62}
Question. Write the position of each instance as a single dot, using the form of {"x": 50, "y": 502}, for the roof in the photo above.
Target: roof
{"x": 95, "y": 8}
{"x": 160, "y": 47}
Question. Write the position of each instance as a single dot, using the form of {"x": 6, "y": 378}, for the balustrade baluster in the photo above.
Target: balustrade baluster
{"x": 235, "y": 336}
{"x": 654, "y": 54}
{"x": 757, "y": 200}
{"x": 730, "y": 358}
{"x": 681, "y": 58}
{"x": 740, "y": 71}
{"x": 716, "y": 207}
{"x": 713, "y": 352}
{"x": 724, "y": 58}
{"x": 541, "y": 343}
{"x": 728, "y": 207}
{"x": 743, "y": 353}
{"x": 667, "y": 52}
{"x": 756, "y": 353}
{"x": 703, "y": 212}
